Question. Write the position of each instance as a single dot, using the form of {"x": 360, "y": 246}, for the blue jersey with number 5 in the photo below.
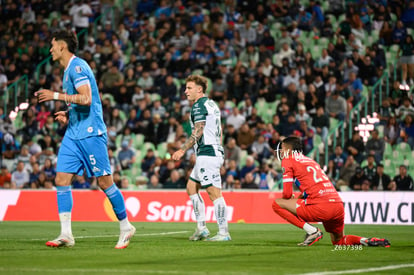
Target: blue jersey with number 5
{"x": 84, "y": 121}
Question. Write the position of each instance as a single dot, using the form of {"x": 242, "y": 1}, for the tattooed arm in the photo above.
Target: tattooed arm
{"x": 84, "y": 96}
{"x": 195, "y": 136}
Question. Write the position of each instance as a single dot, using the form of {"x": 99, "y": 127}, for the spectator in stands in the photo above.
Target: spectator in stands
{"x": 320, "y": 122}
{"x": 236, "y": 119}
{"x": 408, "y": 15}
{"x": 359, "y": 181}
{"x": 115, "y": 165}
{"x": 399, "y": 33}
{"x": 353, "y": 43}
{"x": 371, "y": 168}
{"x": 386, "y": 34}
{"x": 111, "y": 80}
{"x": 175, "y": 180}
{"x": 385, "y": 111}
{"x": 382, "y": 181}
{"x": 404, "y": 181}
{"x": 391, "y": 130}
{"x": 5, "y": 176}
{"x": 345, "y": 173}
{"x": 304, "y": 19}
{"x": 355, "y": 147}
{"x": 261, "y": 149}
{"x": 80, "y": 13}
{"x": 354, "y": 87}
{"x": 232, "y": 177}
{"x": 157, "y": 130}
{"x": 245, "y": 137}
{"x": 232, "y": 151}
{"x": 248, "y": 181}
{"x": 126, "y": 156}
{"x": 407, "y": 131}
{"x": 336, "y": 106}
{"x": 3, "y": 81}
{"x": 20, "y": 177}
{"x": 336, "y": 162}
{"x": 116, "y": 121}
{"x": 406, "y": 53}
{"x": 81, "y": 183}
{"x": 367, "y": 71}
{"x": 405, "y": 109}
{"x": 375, "y": 146}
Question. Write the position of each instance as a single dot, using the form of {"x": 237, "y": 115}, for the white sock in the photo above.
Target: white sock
{"x": 220, "y": 210}
{"x": 199, "y": 210}
{"x": 124, "y": 224}
{"x": 363, "y": 241}
{"x": 66, "y": 223}
{"x": 309, "y": 228}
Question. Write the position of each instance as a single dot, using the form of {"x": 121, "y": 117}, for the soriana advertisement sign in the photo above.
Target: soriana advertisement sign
{"x": 175, "y": 206}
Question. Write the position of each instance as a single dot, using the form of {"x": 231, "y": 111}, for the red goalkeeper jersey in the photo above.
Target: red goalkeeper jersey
{"x": 310, "y": 179}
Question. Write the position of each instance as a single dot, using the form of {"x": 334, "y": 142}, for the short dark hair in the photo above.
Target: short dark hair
{"x": 294, "y": 142}
{"x": 69, "y": 37}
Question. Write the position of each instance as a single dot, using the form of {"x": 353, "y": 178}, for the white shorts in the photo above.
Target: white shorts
{"x": 206, "y": 171}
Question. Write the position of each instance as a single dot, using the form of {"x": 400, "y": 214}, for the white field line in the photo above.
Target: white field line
{"x": 110, "y": 236}
{"x": 107, "y": 270}
{"x": 362, "y": 270}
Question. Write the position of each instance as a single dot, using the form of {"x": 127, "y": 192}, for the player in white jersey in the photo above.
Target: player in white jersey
{"x": 206, "y": 139}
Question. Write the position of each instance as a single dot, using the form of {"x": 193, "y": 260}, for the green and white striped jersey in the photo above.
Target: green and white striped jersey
{"x": 209, "y": 144}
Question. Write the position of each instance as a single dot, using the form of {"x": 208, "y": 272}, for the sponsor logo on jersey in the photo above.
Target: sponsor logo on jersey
{"x": 78, "y": 69}
{"x": 96, "y": 169}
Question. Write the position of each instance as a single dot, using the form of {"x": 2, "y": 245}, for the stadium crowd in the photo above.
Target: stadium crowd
{"x": 275, "y": 68}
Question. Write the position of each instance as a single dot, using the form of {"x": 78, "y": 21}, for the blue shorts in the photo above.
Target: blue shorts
{"x": 90, "y": 153}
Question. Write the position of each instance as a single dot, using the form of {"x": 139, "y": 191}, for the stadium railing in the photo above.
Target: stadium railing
{"x": 356, "y": 110}
{"x": 14, "y": 90}
{"x": 43, "y": 65}
{"x": 376, "y": 91}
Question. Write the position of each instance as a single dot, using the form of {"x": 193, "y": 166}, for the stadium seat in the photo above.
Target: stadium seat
{"x": 139, "y": 141}
{"x": 389, "y": 168}
{"x": 198, "y": 72}
{"x": 162, "y": 149}
{"x": 388, "y": 151}
{"x": 209, "y": 86}
{"x": 177, "y": 84}
{"x": 403, "y": 150}
{"x": 243, "y": 157}
{"x": 380, "y": 129}
{"x": 146, "y": 146}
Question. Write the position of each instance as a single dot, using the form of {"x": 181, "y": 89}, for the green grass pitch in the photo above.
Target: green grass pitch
{"x": 163, "y": 248}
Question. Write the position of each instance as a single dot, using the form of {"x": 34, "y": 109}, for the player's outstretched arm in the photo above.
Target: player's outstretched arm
{"x": 195, "y": 136}
{"x": 84, "y": 96}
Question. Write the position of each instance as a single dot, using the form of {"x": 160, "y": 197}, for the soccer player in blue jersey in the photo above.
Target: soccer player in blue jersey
{"x": 84, "y": 146}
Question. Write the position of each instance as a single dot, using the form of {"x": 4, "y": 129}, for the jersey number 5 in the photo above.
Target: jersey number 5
{"x": 315, "y": 170}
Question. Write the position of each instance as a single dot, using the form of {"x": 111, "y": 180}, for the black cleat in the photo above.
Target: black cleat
{"x": 377, "y": 242}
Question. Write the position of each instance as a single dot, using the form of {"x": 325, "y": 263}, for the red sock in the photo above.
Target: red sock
{"x": 287, "y": 215}
{"x": 349, "y": 240}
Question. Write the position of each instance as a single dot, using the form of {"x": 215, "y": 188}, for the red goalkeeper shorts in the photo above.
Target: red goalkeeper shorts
{"x": 331, "y": 215}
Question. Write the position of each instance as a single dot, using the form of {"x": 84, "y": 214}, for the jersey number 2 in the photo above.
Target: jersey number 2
{"x": 315, "y": 174}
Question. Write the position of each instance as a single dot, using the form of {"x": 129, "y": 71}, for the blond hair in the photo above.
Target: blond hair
{"x": 198, "y": 80}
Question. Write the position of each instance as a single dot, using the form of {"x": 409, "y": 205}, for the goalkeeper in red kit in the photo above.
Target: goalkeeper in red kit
{"x": 318, "y": 202}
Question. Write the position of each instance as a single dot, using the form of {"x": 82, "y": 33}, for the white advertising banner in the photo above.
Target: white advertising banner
{"x": 378, "y": 207}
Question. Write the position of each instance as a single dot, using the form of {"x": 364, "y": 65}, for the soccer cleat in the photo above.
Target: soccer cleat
{"x": 310, "y": 239}
{"x": 219, "y": 238}
{"x": 62, "y": 241}
{"x": 377, "y": 242}
{"x": 199, "y": 235}
{"x": 125, "y": 238}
